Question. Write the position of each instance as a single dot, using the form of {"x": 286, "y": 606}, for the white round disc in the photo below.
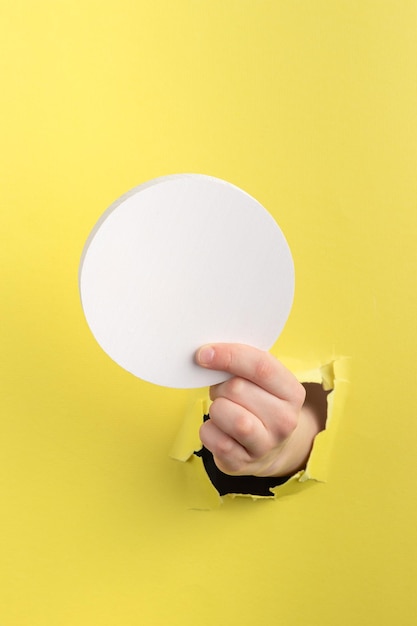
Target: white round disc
{"x": 179, "y": 262}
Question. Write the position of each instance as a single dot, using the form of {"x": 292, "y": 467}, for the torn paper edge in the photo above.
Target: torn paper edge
{"x": 333, "y": 375}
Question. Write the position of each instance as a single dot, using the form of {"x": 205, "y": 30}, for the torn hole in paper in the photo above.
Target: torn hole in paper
{"x": 324, "y": 382}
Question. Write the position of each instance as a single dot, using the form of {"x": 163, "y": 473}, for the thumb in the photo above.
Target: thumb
{"x": 205, "y": 356}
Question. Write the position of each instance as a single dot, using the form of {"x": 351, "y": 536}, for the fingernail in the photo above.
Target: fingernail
{"x": 205, "y": 355}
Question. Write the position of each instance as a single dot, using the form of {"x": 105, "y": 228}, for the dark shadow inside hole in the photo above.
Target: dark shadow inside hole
{"x": 316, "y": 401}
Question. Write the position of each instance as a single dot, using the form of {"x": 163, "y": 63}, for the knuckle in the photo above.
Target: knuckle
{"x": 264, "y": 369}
{"x": 223, "y": 448}
{"x": 230, "y": 466}
{"x": 235, "y": 387}
{"x": 244, "y": 427}
{"x": 285, "y": 423}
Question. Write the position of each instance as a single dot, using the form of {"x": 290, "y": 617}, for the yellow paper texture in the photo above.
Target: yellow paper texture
{"x": 311, "y": 108}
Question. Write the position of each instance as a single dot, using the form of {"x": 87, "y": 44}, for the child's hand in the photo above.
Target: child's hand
{"x": 258, "y": 424}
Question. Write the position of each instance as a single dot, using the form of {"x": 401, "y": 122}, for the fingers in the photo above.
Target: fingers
{"x": 241, "y": 425}
{"x": 229, "y": 456}
{"x": 252, "y": 364}
{"x": 240, "y": 445}
{"x": 274, "y": 414}
{"x": 254, "y": 414}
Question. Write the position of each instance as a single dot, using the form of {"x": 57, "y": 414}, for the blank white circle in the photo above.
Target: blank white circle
{"x": 179, "y": 262}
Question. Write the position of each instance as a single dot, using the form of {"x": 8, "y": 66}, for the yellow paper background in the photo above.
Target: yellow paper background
{"x": 311, "y": 107}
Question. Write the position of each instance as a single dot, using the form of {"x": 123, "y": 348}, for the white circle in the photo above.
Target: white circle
{"x": 179, "y": 262}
